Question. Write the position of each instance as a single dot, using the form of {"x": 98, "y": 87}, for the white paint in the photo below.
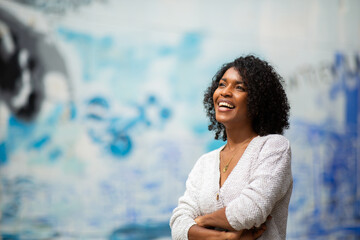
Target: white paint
{"x": 4, "y": 116}
{"x": 56, "y": 87}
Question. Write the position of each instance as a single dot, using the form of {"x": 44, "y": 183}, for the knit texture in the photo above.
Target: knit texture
{"x": 259, "y": 185}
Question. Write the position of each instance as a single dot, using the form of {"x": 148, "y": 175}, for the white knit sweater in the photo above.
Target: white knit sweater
{"x": 259, "y": 185}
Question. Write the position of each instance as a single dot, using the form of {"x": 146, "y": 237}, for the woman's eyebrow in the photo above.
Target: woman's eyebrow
{"x": 237, "y": 82}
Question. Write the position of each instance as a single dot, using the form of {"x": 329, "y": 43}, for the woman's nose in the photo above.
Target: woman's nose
{"x": 226, "y": 92}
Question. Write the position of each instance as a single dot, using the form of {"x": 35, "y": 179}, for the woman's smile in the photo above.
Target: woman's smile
{"x": 225, "y": 105}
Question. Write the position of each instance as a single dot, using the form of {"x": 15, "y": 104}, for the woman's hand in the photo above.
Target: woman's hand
{"x": 200, "y": 233}
{"x": 254, "y": 233}
{"x": 200, "y": 221}
{"x": 250, "y": 234}
{"x": 216, "y": 219}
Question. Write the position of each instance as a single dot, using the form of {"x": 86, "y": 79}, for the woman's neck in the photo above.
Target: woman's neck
{"x": 239, "y": 137}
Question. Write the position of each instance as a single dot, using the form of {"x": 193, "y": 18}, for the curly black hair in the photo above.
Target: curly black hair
{"x": 267, "y": 103}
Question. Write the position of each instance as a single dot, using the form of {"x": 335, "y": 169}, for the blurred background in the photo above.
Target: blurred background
{"x": 101, "y": 115}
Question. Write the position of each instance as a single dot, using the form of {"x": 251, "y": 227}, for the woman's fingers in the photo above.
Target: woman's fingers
{"x": 257, "y": 232}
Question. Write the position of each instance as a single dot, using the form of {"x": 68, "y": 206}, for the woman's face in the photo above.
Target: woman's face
{"x": 230, "y": 100}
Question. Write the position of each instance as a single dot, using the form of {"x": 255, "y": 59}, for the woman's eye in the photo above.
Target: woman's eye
{"x": 240, "y": 88}
{"x": 221, "y": 84}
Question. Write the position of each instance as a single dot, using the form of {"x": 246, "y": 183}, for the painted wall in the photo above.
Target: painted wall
{"x": 101, "y": 115}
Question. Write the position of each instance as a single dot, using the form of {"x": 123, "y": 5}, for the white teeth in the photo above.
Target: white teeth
{"x": 225, "y": 104}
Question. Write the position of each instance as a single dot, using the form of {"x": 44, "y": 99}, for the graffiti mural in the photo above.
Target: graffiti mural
{"x": 330, "y": 205}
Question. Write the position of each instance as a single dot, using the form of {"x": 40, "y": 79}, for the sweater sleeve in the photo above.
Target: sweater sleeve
{"x": 188, "y": 206}
{"x": 270, "y": 180}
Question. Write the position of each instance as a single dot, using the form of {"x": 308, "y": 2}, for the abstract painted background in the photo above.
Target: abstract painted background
{"x": 101, "y": 115}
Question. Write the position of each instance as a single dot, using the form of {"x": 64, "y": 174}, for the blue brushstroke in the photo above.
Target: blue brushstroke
{"x": 99, "y": 101}
{"x": 24, "y": 128}
{"x": 93, "y": 116}
{"x": 165, "y": 51}
{"x": 165, "y": 113}
{"x": 121, "y": 145}
{"x": 3, "y": 155}
{"x": 15, "y": 190}
{"x": 152, "y": 100}
{"x": 141, "y": 231}
{"x": 10, "y": 236}
{"x": 40, "y": 143}
{"x": 214, "y": 144}
{"x": 190, "y": 47}
{"x": 18, "y": 132}
{"x": 73, "y": 112}
{"x": 55, "y": 116}
{"x": 55, "y": 154}
{"x": 200, "y": 129}
{"x": 152, "y": 185}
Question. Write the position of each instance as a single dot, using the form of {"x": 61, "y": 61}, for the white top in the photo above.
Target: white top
{"x": 259, "y": 185}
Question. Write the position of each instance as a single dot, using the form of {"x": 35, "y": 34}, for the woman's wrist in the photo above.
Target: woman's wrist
{"x": 226, "y": 235}
{"x": 197, "y": 232}
{"x": 231, "y": 235}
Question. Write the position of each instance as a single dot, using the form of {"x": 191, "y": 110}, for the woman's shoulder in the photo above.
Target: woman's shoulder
{"x": 275, "y": 141}
{"x": 274, "y": 138}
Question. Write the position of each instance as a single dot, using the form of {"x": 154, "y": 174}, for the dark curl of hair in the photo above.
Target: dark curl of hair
{"x": 267, "y": 104}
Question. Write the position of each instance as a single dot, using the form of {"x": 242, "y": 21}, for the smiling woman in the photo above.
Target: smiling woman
{"x": 241, "y": 190}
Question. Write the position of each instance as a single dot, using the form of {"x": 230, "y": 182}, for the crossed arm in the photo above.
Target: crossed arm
{"x": 218, "y": 219}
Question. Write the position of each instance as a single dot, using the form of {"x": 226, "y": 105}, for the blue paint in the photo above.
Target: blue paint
{"x": 18, "y": 133}
{"x": 99, "y": 101}
{"x": 131, "y": 214}
{"x": 152, "y": 99}
{"x": 106, "y": 42}
{"x": 141, "y": 231}
{"x": 190, "y": 46}
{"x": 56, "y": 114}
{"x": 165, "y": 51}
{"x": 120, "y": 145}
{"x": 3, "y": 155}
{"x": 16, "y": 190}
{"x": 73, "y": 112}
{"x": 165, "y": 113}
{"x": 83, "y": 43}
{"x": 24, "y": 128}
{"x": 340, "y": 166}
{"x": 105, "y": 54}
{"x": 200, "y": 129}
{"x": 93, "y": 116}
{"x": 214, "y": 144}
{"x": 107, "y": 187}
{"x": 55, "y": 154}
{"x": 152, "y": 185}
{"x": 141, "y": 118}
{"x": 10, "y": 210}
{"x": 9, "y": 236}
{"x": 40, "y": 143}
{"x": 94, "y": 135}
